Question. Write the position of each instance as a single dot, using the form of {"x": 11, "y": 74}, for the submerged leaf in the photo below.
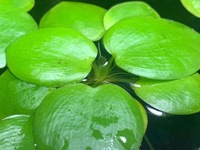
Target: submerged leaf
{"x": 154, "y": 48}
{"x": 85, "y": 18}
{"x": 77, "y": 116}
{"x": 126, "y": 10}
{"x": 18, "y": 97}
{"x": 175, "y": 97}
{"x": 13, "y": 24}
{"x": 51, "y": 57}
{"x": 193, "y": 6}
{"x": 16, "y": 133}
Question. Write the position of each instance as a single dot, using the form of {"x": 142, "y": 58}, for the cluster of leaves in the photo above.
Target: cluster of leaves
{"x": 58, "y": 91}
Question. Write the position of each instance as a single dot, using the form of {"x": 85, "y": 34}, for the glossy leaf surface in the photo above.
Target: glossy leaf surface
{"x": 25, "y": 5}
{"x": 193, "y": 6}
{"x": 18, "y": 97}
{"x": 77, "y": 116}
{"x": 16, "y": 133}
{"x": 51, "y": 57}
{"x": 13, "y": 24}
{"x": 85, "y": 18}
{"x": 126, "y": 10}
{"x": 176, "y": 97}
{"x": 154, "y": 48}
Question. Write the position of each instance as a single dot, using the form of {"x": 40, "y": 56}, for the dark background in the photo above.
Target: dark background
{"x": 168, "y": 132}
{"x": 170, "y": 9}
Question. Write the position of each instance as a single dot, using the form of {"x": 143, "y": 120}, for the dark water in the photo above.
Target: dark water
{"x": 172, "y": 132}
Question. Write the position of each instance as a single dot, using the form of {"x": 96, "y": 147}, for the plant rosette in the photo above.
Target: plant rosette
{"x": 66, "y": 74}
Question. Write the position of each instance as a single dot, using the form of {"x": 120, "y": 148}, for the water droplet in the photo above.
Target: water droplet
{"x": 126, "y": 138}
{"x": 123, "y": 139}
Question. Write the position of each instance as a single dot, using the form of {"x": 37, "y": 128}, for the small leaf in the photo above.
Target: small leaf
{"x": 13, "y": 24}
{"x": 126, "y": 10}
{"x": 51, "y": 57}
{"x": 85, "y": 18}
{"x": 77, "y": 116}
{"x": 154, "y": 48}
{"x": 25, "y": 5}
{"x": 16, "y": 133}
{"x": 175, "y": 97}
{"x": 18, "y": 97}
{"x": 193, "y": 6}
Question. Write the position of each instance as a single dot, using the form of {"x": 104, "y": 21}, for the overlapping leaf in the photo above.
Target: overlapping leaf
{"x": 18, "y": 97}
{"x": 51, "y": 57}
{"x": 175, "y": 97}
{"x": 154, "y": 48}
{"x": 25, "y": 5}
{"x": 77, "y": 116}
{"x": 126, "y": 10}
{"x": 13, "y": 24}
{"x": 16, "y": 133}
{"x": 85, "y": 18}
{"x": 193, "y": 6}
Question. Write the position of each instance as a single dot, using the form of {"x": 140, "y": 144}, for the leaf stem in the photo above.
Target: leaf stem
{"x": 148, "y": 143}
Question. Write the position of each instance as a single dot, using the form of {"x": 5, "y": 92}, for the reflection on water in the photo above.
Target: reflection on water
{"x": 155, "y": 111}
{"x": 172, "y": 132}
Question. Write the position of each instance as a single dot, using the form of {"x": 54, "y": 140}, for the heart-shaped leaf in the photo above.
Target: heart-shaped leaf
{"x": 18, "y": 97}
{"x": 193, "y": 6}
{"x": 16, "y": 133}
{"x": 126, "y": 10}
{"x": 13, "y": 24}
{"x": 85, "y": 18}
{"x": 176, "y": 97}
{"x": 51, "y": 57}
{"x": 77, "y": 116}
{"x": 154, "y": 48}
{"x": 25, "y": 5}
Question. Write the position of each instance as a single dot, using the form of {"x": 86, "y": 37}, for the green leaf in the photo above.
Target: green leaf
{"x": 126, "y": 10}
{"x": 18, "y": 97}
{"x": 51, "y": 57}
{"x": 193, "y": 6}
{"x": 85, "y": 18}
{"x": 154, "y": 48}
{"x": 13, "y": 24}
{"x": 16, "y": 133}
{"x": 25, "y": 5}
{"x": 175, "y": 97}
{"x": 77, "y": 116}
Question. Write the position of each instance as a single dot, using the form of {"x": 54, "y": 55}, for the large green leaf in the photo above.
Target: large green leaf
{"x": 16, "y": 133}
{"x": 13, "y": 24}
{"x": 25, "y": 5}
{"x": 193, "y": 6}
{"x": 77, "y": 116}
{"x": 18, "y": 97}
{"x": 176, "y": 97}
{"x": 154, "y": 48}
{"x": 86, "y": 18}
{"x": 126, "y": 10}
{"x": 51, "y": 56}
